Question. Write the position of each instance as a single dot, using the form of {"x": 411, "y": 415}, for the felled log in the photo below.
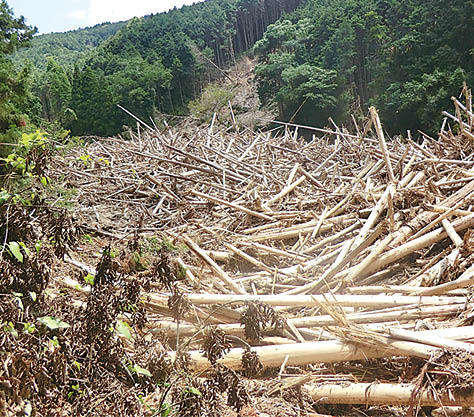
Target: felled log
{"x": 363, "y": 301}
{"x": 312, "y": 352}
{"x": 385, "y": 394}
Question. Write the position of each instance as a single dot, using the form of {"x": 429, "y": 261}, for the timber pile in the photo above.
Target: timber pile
{"x": 349, "y": 247}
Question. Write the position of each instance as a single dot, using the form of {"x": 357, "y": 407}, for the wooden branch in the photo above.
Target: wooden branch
{"x": 383, "y": 144}
{"x": 419, "y": 243}
{"x": 453, "y": 235}
{"x": 344, "y": 258}
{"x": 403, "y": 315}
{"x": 232, "y": 205}
{"x": 217, "y": 269}
{"x": 288, "y": 234}
{"x": 288, "y": 189}
{"x": 437, "y": 341}
{"x": 465, "y": 280}
{"x": 425, "y": 217}
{"x": 381, "y": 205}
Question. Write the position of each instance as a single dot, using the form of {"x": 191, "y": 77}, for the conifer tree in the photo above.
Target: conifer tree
{"x": 14, "y": 33}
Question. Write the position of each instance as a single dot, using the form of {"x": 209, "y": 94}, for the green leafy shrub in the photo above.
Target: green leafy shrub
{"x": 18, "y": 159}
{"x": 213, "y": 100}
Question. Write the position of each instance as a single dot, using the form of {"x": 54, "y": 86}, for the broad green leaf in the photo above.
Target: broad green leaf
{"x": 10, "y": 328}
{"x": 89, "y": 279}
{"x": 29, "y": 327}
{"x": 38, "y": 246}
{"x": 141, "y": 371}
{"x": 53, "y": 323}
{"x": 166, "y": 410}
{"x": 25, "y": 248}
{"x": 15, "y": 250}
{"x": 4, "y": 196}
{"x": 124, "y": 329}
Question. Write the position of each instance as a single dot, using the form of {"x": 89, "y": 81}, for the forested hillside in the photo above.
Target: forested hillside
{"x": 331, "y": 58}
{"x": 152, "y": 64}
{"x": 226, "y": 268}
{"x": 67, "y": 48}
{"x": 318, "y": 59}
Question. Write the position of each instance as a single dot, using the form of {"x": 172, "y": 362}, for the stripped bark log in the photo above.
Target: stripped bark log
{"x": 386, "y": 394}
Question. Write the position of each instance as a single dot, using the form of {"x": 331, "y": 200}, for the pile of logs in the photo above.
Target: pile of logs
{"x": 362, "y": 244}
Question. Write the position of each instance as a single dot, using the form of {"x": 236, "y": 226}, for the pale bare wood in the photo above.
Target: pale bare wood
{"x": 417, "y": 244}
{"x": 465, "y": 280}
{"x": 398, "y": 315}
{"x": 360, "y": 269}
{"x": 232, "y": 205}
{"x": 189, "y": 275}
{"x": 378, "y": 301}
{"x": 261, "y": 228}
{"x": 425, "y": 217}
{"x": 344, "y": 257}
{"x": 252, "y": 145}
{"x": 293, "y": 172}
{"x": 217, "y": 269}
{"x": 393, "y": 289}
{"x": 332, "y": 238}
{"x": 384, "y": 394}
{"x": 288, "y": 234}
{"x": 310, "y": 178}
{"x": 383, "y": 144}
{"x": 441, "y": 209}
{"x": 439, "y": 219}
{"x": 311, "y": 352}
{"x": 320, "y": 222}
{"x": 275, "y": 251}
{"x": 453, "y": 235}
{"x": 248, "y": 258}
{"x": 381, "y": 205}
{"x": 437, "y": 340}
{"x": 288, "y": 189}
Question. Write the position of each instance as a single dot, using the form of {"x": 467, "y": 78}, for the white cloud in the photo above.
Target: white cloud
{"x": 77, "y": 14}
{"x": 115, "y": 10}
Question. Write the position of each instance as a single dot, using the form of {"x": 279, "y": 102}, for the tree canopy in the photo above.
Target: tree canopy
{"x": 408, "y": 58}
{"x": 14, "y": 98}
{"x": 317, "y": 58}
{"x": 153, "y": 64}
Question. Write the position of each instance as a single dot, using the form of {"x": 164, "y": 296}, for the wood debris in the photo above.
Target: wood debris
{"x": 362, "y": 246}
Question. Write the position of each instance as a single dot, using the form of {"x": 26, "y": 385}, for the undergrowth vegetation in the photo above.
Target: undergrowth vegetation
{"x": 92, "y": 356}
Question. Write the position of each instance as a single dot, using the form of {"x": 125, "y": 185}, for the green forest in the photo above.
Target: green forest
{"x": 333, "y": 58}
{"x": 153, "y": 64}
{"x": 316, "y": 59}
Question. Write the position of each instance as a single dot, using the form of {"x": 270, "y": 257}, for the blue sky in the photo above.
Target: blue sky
{"x": 62, "y": 15}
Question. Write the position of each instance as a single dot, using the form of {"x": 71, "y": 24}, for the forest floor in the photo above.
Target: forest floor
{"x": 220, "y": 271}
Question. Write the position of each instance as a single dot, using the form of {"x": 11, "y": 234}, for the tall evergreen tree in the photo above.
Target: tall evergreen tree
{"x": 92, "y": 104}
{"x": 14, "y": 33}
{"x": 56, "y": 92}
